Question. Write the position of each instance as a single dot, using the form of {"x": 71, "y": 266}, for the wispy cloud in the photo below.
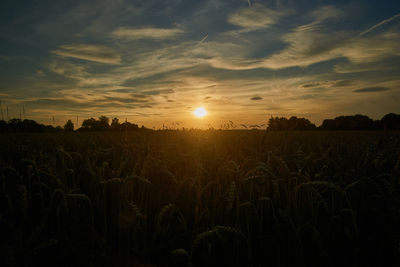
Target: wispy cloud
{"x": 372, "y": 49}
{"x": 315, "y": 42}
{"x": 325, "y": 13}
{"x": 79, "y": 100}
{"x": 96, "y": 53}
{"x": 311, "y": 85}
{"x": 309, "y": 43}
{"x": 371, "y": 89}
{"x": 343, "y": 83}
{"x": 255, "y": 17}
{"x": 351, "y": 67}
{"x": 146, "y": 33}
{"x": 158, "y": 92}
{"x": 306, "y": 45}
{"x": 137, "y": 72}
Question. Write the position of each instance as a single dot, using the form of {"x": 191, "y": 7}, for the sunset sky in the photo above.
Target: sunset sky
{"x": 154, "y": 62}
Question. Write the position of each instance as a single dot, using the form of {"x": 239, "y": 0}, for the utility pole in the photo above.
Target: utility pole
{"x": 7, "y": 114}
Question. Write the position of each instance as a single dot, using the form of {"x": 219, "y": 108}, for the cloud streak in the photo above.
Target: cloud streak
{"x": 146, "y": 33}
{"x": 96, "y": 53}
{"x": 371, "y": 89}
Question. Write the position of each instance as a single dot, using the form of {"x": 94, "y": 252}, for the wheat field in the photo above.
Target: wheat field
{"x": 200, "y": 198}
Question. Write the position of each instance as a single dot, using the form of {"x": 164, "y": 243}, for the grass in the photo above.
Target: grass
{"x": 173, "y": 198}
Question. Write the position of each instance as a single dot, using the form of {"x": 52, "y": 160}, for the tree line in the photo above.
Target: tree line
{"x": 18, "y": 125}
{"x": 103, "y": 124}
{"x": 390, "y": 121}
{"x": 92, "y": 124}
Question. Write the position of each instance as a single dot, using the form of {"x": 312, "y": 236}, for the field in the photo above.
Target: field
{"x": 200, "y": 198}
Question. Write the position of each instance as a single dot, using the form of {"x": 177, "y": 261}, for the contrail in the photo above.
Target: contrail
{"x": 202, "y": 40}
{"x": 248, "y": 1}
{"x": 379, "y": 24}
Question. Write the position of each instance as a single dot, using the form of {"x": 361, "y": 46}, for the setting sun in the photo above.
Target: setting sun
{"x": 200, "y": 112}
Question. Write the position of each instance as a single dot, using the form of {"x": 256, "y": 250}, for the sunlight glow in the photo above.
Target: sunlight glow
{"x": 200, "y": 112}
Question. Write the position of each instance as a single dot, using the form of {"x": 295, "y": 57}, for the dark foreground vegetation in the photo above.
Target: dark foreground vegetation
{"x": 200, "y": 198}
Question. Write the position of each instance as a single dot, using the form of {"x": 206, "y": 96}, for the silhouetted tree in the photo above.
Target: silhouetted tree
{"x": 391, "y": 121}
{"x": 356, "y": 122}
{"x": 69, "y": 126}
{"x": 28, "y": 126}
{"x": 89, "y": 124}
{"x": 103, "y": 123}
{"x": 328, "y": 124}
{"x": 277, "y": 124}
{"x": 14, "y": 124}
{"x": 115, "y": 124}
{"x": 301, "y": 124}
{"x": 294, "y": 123}
{"x": 31, "y": 126}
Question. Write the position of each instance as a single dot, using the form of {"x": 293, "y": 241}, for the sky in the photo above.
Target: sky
{"x": 153, "y": 62}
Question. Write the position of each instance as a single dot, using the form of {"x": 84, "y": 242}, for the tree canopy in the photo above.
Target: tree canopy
{"x": 293, "y": 123}
{"x": 102, "y": 124}
{"x": 355, "y": 122}
{"x": 18, "y": 125}
{"x": 69, "y": 126}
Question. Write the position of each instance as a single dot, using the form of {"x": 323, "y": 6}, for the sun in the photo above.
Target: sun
{"x": 200, "y": 112}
